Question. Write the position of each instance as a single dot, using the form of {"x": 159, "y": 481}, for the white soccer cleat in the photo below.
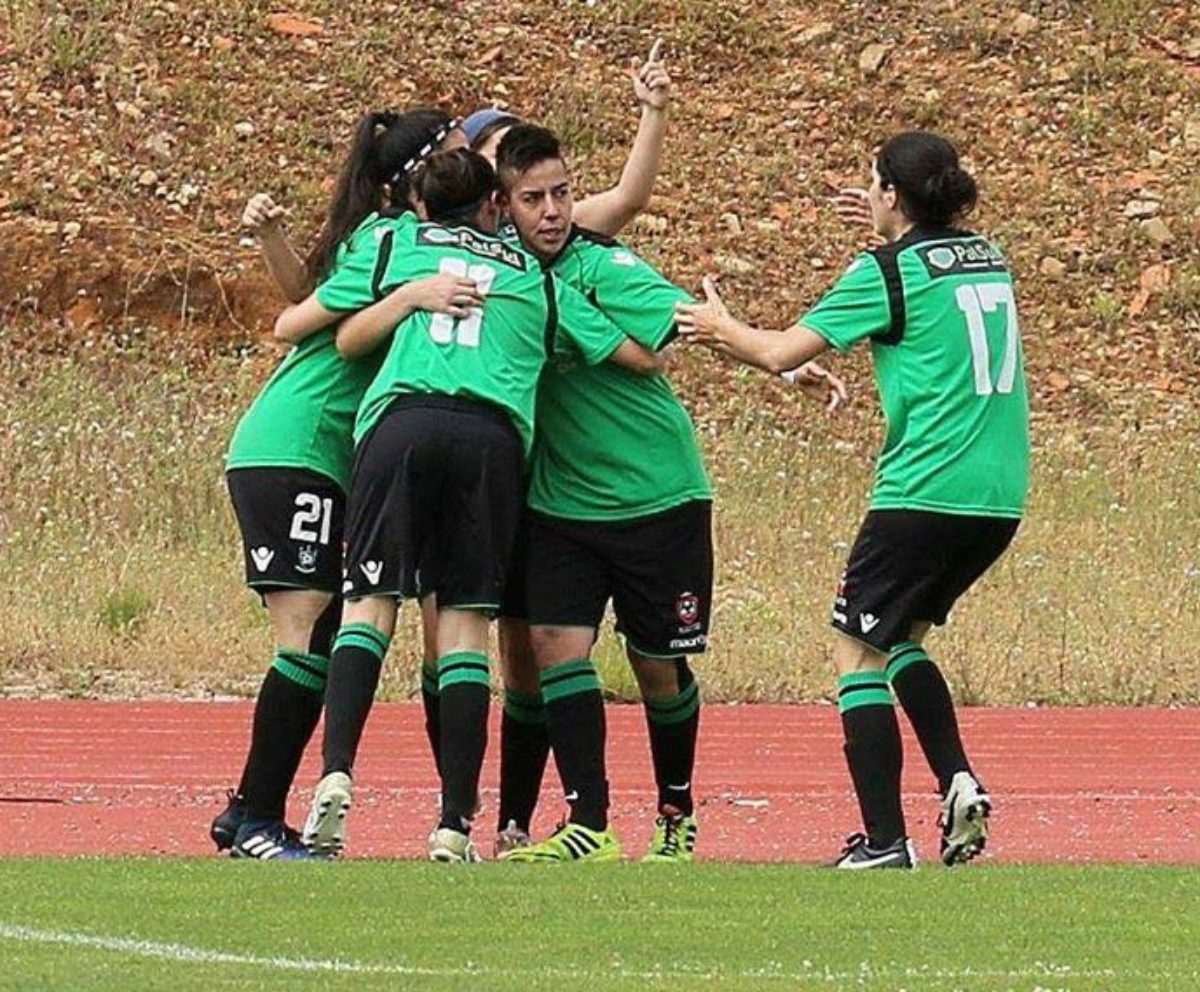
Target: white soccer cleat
{"x": 452, "y": 847}
{"x": 325, "y": 829}
{"x": 964, "y": 820}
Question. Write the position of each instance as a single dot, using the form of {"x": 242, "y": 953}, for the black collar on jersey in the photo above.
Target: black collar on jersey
{"x": 576, "y": 233}
{"x": 887, "y": 258}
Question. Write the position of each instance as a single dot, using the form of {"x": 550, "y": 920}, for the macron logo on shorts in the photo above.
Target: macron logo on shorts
{"x": 262, "y": 558}
{"x": 373, "y": 570}
{"x": 868, "y": 622}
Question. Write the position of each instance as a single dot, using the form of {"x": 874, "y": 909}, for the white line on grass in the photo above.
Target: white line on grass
{"x": 184, "y": 954}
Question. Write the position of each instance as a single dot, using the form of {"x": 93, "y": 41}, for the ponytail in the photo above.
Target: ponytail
{"x": 385, "y": 145}
{"x": 933, "y": 188}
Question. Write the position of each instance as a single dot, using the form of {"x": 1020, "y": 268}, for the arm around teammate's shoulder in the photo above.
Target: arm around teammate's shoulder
{"x": 262, "y": 218}
{"x": 363, "y": 332}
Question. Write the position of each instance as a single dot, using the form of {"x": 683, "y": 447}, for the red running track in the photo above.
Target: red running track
{"x": 1070, "y": 784}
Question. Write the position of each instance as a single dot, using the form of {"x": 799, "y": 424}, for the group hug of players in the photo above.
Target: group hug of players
{"x": 475, "y": 416}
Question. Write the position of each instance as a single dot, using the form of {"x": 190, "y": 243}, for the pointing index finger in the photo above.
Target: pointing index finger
{"x": 655, "y": 51}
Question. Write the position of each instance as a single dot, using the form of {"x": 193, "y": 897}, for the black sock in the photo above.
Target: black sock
{"x": 285, "y": 716}
{"x": 524, "y": 749}
{"x": 354, "y": 671}
{"x": 432, "y": 703}
{"x": 575, "y": 724}
{"x": 874, "y": 753}
{"x": 674, "y": 723}
{"x": 465, "y": 694}
{"x": 925, "y": 696}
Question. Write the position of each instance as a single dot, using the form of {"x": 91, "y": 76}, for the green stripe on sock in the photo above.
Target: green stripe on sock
{"x": 863, "y": 689}
{"x": 308, "y": 670}
{"x": 429, "y": 677}
{"x": 903, "y": 655}
{"x": 364, "y": 636}
{"x": 463, "y": 666}
{"x": 524, "y": 707}
{"x": 569, "y": 679}
{"x": 676, "y": 709}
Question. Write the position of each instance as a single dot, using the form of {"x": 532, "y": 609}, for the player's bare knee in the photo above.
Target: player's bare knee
{"x": 554, "y": 645}
{"x": 851, "y": 656}
{"x": 294, "y": 614}
{"x": 518, "y": 667}
{"x": 658, "y": 678}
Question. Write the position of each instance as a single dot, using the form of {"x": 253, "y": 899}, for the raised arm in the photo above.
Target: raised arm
{"x": 262, "y": 218}
{"x": 610, "y": 211}
{"x": 363, "y": 332}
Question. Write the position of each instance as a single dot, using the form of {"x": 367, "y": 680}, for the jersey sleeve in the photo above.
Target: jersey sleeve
{"x": 357, "y": 278}
{"x": 583, "y": 327}
{"x": 856, "y": 307}
{"x": 636, "y": 297}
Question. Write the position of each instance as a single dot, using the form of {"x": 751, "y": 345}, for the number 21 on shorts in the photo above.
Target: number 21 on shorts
{"x": 464, "y": 331}
{"x": 312, "y": 519}
{"x": 975, "y": 300}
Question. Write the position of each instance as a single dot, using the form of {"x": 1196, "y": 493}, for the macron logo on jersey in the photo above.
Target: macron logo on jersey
{"x": 373, "y": 570}
{"x": 262, "y": 558}
{"x": 868, "y": 622}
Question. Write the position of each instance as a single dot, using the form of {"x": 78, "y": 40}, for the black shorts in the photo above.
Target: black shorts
{"x": 909, "y": 566}
{"x": 291, "y": 521}
{"x": 514, "y": 605}
{"x": 434, "y": 503}
{"x": 657, "y": 570}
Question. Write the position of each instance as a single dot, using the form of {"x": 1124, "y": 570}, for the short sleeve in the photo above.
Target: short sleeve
{"x": 856, "y": 307}
{"x": 592, "y": 334}
{"x": 636, "y": 297}
{"x": 357, "y": 276}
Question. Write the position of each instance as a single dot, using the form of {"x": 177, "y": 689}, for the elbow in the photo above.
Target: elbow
{"x": 651, "y": 363}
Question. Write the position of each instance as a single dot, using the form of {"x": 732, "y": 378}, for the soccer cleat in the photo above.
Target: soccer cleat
{"x": 325, "y": 828}
{"x": 270, "y": 840}
{"x": 674, "y": 840}
{"x": 510, "y": 838}
{"x": 225, "y": 824}
{"x": 858, "y": 854}
{"x": 964, "y": 820}
{"x": 452, "y": 847}
{"x": 570, "y": 843}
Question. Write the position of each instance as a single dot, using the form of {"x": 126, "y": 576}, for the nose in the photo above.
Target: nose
{"x": 551, "y": 207}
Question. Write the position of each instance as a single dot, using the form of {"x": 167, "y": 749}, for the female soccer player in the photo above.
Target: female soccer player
{"x": 937, "y": 304}
{"x": 437, "y": 486}
{"x": 289, "y": 460}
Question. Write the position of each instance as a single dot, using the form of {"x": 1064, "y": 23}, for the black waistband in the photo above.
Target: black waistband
{"x": 461, "y": 404}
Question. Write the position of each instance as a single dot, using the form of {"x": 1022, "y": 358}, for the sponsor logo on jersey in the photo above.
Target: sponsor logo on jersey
{"x": 868, "y": 622}
{"x": 477, "y": 244}
{"x": 262, "y": 558}
{"x": 955, "y": 258}
{"x": 307, "y": 563}
{"x": 687, "y": 608}
{"x": 684, "y": 643}
{"x": 373, "y": 570}
{"x": 624, "y": 257}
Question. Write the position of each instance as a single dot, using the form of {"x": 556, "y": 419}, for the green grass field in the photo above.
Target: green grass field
{"x": 202, "y": 925}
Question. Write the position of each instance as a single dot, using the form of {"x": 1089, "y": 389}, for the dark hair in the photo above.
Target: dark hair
{"x": 387, "y": 147}
{"x": 453, "y": 185}
{"x": 522, "y": 148}
{"x": 934, "y": 190}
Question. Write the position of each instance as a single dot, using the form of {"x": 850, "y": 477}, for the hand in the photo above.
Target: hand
{"x": 818, "y": 383}
{"x": 702, "y": 323}
{"x": 261, "y": 212}
{"x": 444, "y": 293}
{"x": 651, "y": 83}
{"x": 853, "y": 207}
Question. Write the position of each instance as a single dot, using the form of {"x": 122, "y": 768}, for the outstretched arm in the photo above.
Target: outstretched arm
{"x": 610, "y": 211}
{"x": 711, "y": 324}
{"x": 262, "y": 218}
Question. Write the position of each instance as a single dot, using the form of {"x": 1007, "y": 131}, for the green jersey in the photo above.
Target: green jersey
{"x": 611, "y": 444}
{"x": 304, "y": 415}
{"x": 938, "y": 307}
{"x": 496, "y": 354}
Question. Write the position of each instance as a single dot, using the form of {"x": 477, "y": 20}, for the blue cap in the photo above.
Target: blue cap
{"x": 474, "y": 124}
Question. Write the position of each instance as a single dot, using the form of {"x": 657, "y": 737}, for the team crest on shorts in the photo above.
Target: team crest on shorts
{"x": 687, "y": 609}
{"x": 307, "y": 563}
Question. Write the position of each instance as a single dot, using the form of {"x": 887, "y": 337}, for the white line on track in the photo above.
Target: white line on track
{"x": 185, "y": 954}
